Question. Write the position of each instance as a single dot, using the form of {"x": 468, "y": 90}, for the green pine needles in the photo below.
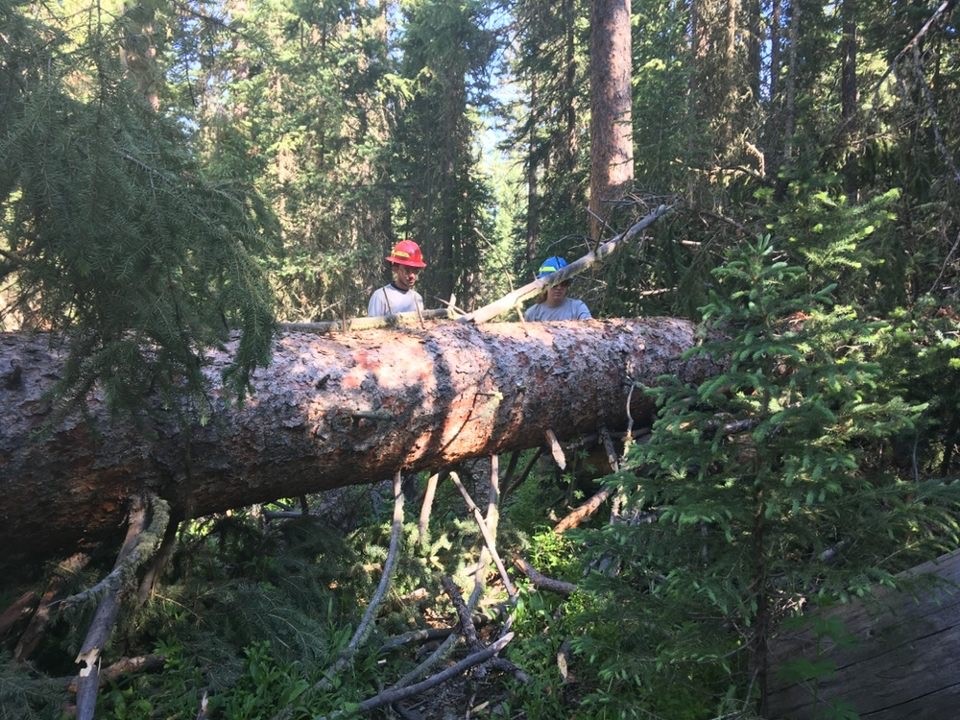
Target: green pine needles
{"x": 760, "y": 492}
{"x": 112, "y": 233}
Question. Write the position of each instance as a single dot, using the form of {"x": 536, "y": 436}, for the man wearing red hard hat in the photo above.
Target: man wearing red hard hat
{"x": 406, "y": 262}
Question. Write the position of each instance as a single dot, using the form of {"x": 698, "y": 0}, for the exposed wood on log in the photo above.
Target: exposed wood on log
{"x": 327, "y": 412}
{"x": 404, "y": 319}
{"x": 896, "y": 657}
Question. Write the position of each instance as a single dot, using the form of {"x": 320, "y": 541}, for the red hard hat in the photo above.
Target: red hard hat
{"x": 407, "y": 252}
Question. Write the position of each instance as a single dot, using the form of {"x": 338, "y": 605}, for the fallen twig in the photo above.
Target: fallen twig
{"x": 487, "y": 535}
{"x": 423, "y": 538}
{"x": 367, "y": 621}
{"x": 583, "y": 511}
{"x": 542, "y": 582}
{"x": 34, "y": 632}
{"x": 143, "y": 537}
{"x": 396, "y": 694}
{"x": 124, "y": 666}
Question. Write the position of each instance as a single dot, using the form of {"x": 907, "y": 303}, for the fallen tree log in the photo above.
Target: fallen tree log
{"x": 328, "y": 411}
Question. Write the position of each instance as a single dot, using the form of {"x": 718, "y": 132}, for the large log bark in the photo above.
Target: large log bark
{"x": 327, "y": 412}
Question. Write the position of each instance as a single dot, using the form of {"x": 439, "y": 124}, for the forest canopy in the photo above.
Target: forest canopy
{"x": 177, "y": 175}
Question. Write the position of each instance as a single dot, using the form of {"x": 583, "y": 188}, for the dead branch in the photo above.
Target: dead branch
{"x": 563, "y": 662}
{"x": 584, "y": 511}
{"x": 946, "y": 264}
{"x": 138, "y": 545}
{"x": 555, "y": 450}
{"x": 610, "y": 450}
{"x": 415, "y": 636}
{"x": 942, "y": 11}
{"x": 19, "y": 609}
{"x": 367, "y": 621}
{"x": 487, "y": 536}
{"x": 395, "y": 694}
{"x": 513, "y": 484}
{"x": 158, "y": 563}
{"x": 531, "y": 289}
{"x": 466, "y": 621}
{"x": 469, "y": 632}
{"x": 34, "y": 632}
{"x": 423, "y": 537}
{"x": 154, "y": 512}
{"x": 542, "y": 582}
{"x": 122, "y": 667}
{"x": 446, "y": 647}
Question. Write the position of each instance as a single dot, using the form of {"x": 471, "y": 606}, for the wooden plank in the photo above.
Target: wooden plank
{"x": 895, "y": 659}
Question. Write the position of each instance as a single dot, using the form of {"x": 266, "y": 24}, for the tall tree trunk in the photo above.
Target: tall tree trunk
{"x": 611, "y": 123}
{"x": 568, "y": 148}
{"x": 533, "y": 191}
{"x": 849, "y": 94}
{"x": 788, "y": 115}
{"x": 732, "y": 77}
{"x": 754, "y": 68}
{"x": 328, "y": 412}
{"x": 848, "y": 56}
{"x": 773, "y": 141}
{"x": 139, "y": 51}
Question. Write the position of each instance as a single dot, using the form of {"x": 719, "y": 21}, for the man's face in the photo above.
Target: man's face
{"x": 404, "y": 277}
{"x": 557, "y": 294}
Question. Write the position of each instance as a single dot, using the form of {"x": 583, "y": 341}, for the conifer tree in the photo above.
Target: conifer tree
{"x": 112, "y": 231}
{"x": 759, "y": 492}
{"x": 446, "y": 49}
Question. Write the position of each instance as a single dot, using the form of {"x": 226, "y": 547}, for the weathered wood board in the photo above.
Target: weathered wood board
{"x": 900, "y": 657}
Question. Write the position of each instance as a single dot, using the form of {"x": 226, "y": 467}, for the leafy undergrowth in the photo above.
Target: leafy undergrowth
{"x": 250, "y": 612}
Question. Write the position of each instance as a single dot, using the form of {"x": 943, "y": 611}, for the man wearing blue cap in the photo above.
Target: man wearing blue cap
{"x": 554, "y": 304}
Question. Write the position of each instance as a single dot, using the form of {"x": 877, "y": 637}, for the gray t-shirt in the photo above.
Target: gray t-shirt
{"x": 570, "y": 309}
{"x": 388, "y": 300}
